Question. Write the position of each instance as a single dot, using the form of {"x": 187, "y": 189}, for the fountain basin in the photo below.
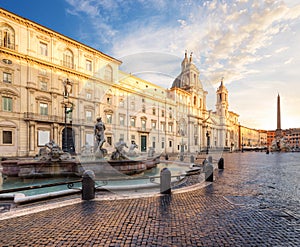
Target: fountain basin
{"x": 73, "y": 167}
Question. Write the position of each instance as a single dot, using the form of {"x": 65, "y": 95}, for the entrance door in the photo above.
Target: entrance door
{"x": 68, "y": 140}
{"x": 143, "y": 143}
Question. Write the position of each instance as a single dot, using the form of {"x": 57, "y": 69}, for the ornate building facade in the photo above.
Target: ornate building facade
{"x": 54, "y": 88}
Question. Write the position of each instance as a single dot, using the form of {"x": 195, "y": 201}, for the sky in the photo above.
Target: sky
{"x": 253, "y": 44}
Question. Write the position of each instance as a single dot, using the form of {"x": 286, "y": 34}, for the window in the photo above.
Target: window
{"x": 109, "y": 141}
{"x": 153, "y": 141}
{"x": 7, "y": 103}
{"x": 153, "y": 125}
{"x": 196, "y": 140}
{"x": 88, "y": 95}
{"x": 88, "y": 65}
{"x": 170, "y": 144}
{"x": 170, "y": 114}
{"x": 88, "y": 116}
{"x": 108, "y": 118}
{"x": 43, "y": 49}
{"x": 122, "y": 120}
{"x": 163, "y": 126}
{"x": 68, "y": 59}
{"x": 132, "y": 106}
{"x": 143, "y": 109}
{"x": 7, "y": 35}
{"x": 108, "y": 100}
{"x": 121, "y": 103}
{"x": 170, "y": 127}
{"x": 162, "y": 142}
{"x": 7, "y": 77}
{"x": 44, "y": 85}
{"x": 43, "y": 109}
{"x": 153, "y": 111}
{"x": 133, "y": 137}
{"x": 108, "y": 73}
{"x": 143, "y": 124}
{"x": 163, "y": 113}
{"x": 132, "y": 122}
{"x": 7, "y": 137}
{"x": 121, "y": 137}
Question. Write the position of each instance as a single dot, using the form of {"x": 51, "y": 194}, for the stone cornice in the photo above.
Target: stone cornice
{"x": 52, "y": 33}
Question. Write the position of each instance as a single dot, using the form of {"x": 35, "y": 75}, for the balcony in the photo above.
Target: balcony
{"x": 143, "y": 130}
{"x": 67, "y": 64}
{"x": 30, "y": 116}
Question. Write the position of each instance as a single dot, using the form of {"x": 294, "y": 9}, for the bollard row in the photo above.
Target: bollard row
{"x": 209, "y": 169}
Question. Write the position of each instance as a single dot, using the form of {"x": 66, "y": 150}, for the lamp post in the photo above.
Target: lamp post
{"x": 66, "y": 93}
{"x": 207, "y": 139}
{"x": 242, "y": 143}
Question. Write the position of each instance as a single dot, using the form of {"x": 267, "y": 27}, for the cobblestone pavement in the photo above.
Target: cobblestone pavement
{"x": 232, "y": 211}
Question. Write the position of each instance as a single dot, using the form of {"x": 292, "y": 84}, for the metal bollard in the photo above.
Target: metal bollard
{"x": 165, "y": 181}
{"x": 209, "y": 172}
{"x": 88, "y": 185}
{"x": 221, "y": 163}
{"x": 192, "y": 159}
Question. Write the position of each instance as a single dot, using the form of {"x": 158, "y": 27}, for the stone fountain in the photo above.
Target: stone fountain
{"x": 53, "y": 161}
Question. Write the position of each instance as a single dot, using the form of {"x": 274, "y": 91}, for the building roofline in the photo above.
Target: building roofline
{"x": 2, "y": 10}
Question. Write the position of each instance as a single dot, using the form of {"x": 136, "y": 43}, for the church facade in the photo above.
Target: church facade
{"x": 53, "y": 88}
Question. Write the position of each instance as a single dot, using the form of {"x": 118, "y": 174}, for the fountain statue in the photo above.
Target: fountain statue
{"x": 131, "y": 152}
{"x": 119, "y": 153}
{"x": 280, "y": 144}
{"x": 99, "y": 129}
{"x": 52, "y": 152}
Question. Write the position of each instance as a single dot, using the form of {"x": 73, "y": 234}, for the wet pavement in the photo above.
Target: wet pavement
{"x": 254, "y": 201}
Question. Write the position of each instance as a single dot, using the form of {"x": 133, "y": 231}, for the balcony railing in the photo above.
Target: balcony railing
{"x": 7, "y": 45}
{"x": 67, "y": 64}
{"x": 30, "y": 116}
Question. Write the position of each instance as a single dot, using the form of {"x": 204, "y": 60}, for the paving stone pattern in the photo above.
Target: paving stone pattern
{"x": 228, "y": 212}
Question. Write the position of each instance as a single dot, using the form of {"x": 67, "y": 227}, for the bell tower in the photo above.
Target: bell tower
{"x": 222, "y": 102}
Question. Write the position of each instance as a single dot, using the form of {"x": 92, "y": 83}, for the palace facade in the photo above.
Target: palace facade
{"x": 53, "y": 88}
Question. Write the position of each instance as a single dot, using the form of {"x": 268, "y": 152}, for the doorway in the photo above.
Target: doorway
{"x": 143, "y": 143}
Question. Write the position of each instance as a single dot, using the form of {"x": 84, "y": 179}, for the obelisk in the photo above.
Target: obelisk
{"x": 278, "y": 132}
{"x": 278, "y": 113}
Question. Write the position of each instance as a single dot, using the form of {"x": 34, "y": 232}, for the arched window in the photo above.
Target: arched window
{"x": 68, "y": 59}
{"x": 7, "y": 36}
{"x": 108, "y": 73}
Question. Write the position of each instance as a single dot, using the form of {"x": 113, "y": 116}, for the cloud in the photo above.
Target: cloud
{"x": 289, "y": 60}
{"x": 244, "y": 41}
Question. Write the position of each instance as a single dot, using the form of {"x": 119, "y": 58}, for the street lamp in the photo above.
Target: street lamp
{"x": 68, "y": 104}
{"x": 242, "y": 143}
{"x": 207, "y": 139}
